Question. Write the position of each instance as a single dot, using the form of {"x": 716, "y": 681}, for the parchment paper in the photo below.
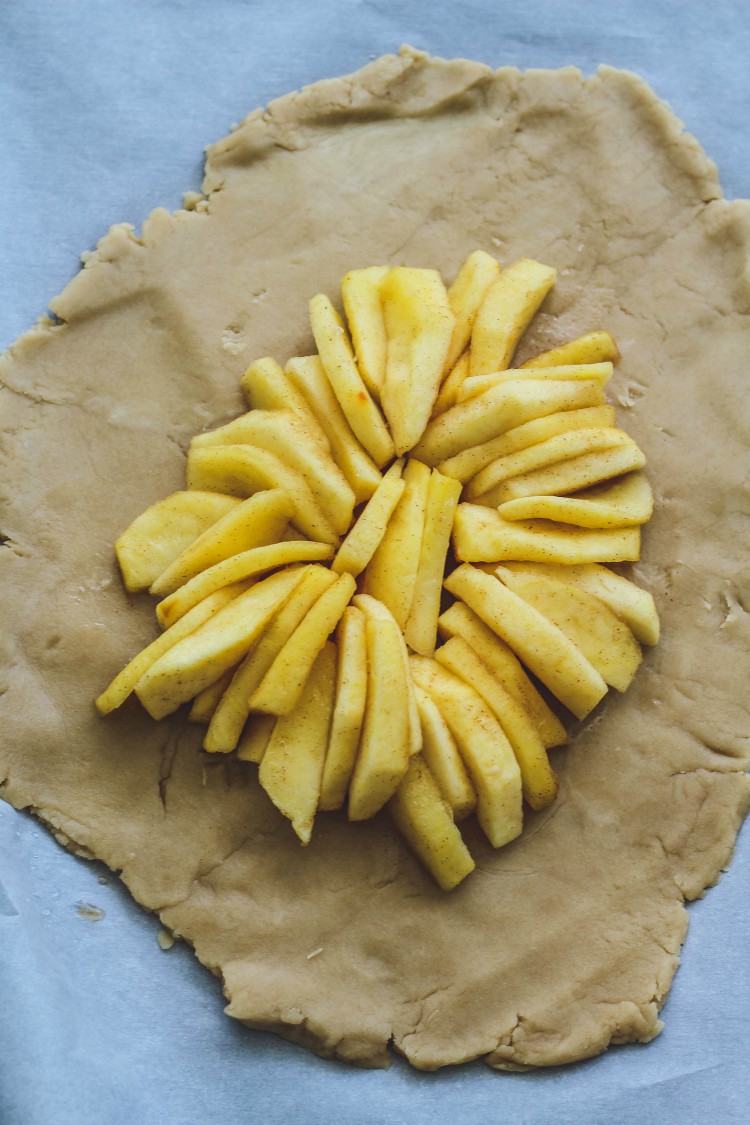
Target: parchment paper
{"x": 105, "y": 113}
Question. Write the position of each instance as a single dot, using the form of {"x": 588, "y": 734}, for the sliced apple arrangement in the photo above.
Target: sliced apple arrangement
{"x": 302, "y": 572}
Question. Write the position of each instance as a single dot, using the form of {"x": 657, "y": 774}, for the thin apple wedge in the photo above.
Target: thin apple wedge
{"x": 424, "y": 819}
{"x": 505, "y": 313}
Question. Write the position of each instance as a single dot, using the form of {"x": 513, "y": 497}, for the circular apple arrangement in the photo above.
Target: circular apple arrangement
{"x": 405, "y": 484}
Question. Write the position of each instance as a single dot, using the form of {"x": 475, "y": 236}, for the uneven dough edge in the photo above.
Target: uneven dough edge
{"x": 455, "y": 81}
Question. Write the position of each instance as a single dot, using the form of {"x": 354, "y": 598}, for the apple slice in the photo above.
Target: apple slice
{"x": 624, "y": 502}
{"x": 484, "y": 748}
{"x": 420, "y": 630}
{"x": 157, "y": 536}
{"x": 478, "y": 384}
{"x": 442, "y": 756}
{"x": 367, "y": 532}
{"x": 545, "y": 650}
{"x": 361, "y": 294}
{"x": 482, "y": 535}
{"x": 594, "y": 347}
{"x": 424, "y": 819}
{"x": 505, "y": 313}
{"x": 292, "y": 764}
{"x": 465, "y": 297}
{"x": 348, "y": 710}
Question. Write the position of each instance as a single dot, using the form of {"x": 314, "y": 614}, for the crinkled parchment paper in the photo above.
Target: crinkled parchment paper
{"x": 568, "y": 939}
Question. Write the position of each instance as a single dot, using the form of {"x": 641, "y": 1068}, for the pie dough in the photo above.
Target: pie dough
{"x": 567, "y": 939}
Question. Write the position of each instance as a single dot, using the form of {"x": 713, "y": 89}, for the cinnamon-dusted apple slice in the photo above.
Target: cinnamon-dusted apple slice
{"x": 291, "y": 768}
{"x": 125, "y": 682}
{"x": 363, "y": 305}
{"x": 240, "y": 470}
{"x": 505, "y": 313}
{"x": 465, "y": 297}
{"x": 255, "y": 522}
{"x": 279, "y": 691}
{"x": 255, "y": 738}
{"x": 230, "y": 715}
{"x": 594, "y": 347}
{"x": 551, "y": 455}
{"x": 217, "y": 645}
{"x": 367, "y": 532}
{"x": 442, "y": 756}
{"x": 340, "y": 366}
{"x": 376, "y": 611}
{"x": 384, "y": 748}
{"x": 460, "y": 621}
{"x": 307, "y": 376}
{"x": 545, "y": 650}
{"x": 625, "y": 502}
{"x": 484, "y": 748}
{"x": 482, "y": 535}
{"x": 289, "y": 437}
{"x": 501, "y": 408}
{"x": 157, "y": 536}
{"x": 205, "y": 703}
{"x": 391, "y": 574}
{"x": 478, "y": 384}
{"x": 267, "y": 386}
{"x": 424, "y": 819}
{"x": 538, "y": 779}
{"x": 420, "y": 630}
{"x": 419, "y": 324}
{"x": 605, "y": 641}
{"x": 245, "y": 565}
{"x": 632, "y": 604}
{"x": 348, "y": 708}
{"x": 471, "y": 461}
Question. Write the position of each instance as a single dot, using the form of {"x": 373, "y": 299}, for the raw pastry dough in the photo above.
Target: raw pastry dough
{"x": 566, "y": 940}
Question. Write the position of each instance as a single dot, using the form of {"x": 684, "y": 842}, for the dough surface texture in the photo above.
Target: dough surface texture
{"x": 566, "y": 940}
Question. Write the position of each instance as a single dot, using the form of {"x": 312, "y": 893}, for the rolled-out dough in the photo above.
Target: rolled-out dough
{"x": 567, "y": 939}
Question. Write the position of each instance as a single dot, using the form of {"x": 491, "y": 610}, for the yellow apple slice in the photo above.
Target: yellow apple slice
{"x": 229, "y": 718}
{"x": 289, "y": 437}
{"x": 571, "y": 475}
{"x": 355, "y": 400}
{"x": 545, "y": 650}
{"x": 451, "y": 386}
{"x": 242, "y": 469}
{"x": 505, "y": 313}
{"x": 362, "y": 541}
{"x": 348, "y": 709}
{"x": 424, "y": 819}
{"x": 632, "y": 605}
{"x": 420, "y": 630}
{"x": 307, "y": 376}
{"x": 538, "y": 779}
{"x": 545, "y": 455}
{"x": 376, "y": 611}
{"x": 484, "y": 748}
{"x": 460, "y": 621}
{"x": 245, "y": 565}
{"x": 478, "y": 384}
{"x": 594, "y": 347}
{"x": 291, "y": 768}
{"x": 255, "y": 738}
{"x": 157, "y": 536}
{"x": 481, "y": 535}
{"x": 471, "y": 461}
{"x": 391, "y": 574}
{"x": 625, "y": 502}
{"x": 255, "y": 522}
{"x": 207, "y": 653}
{"x": 384, "y": 748}
{"x": 125, "y": 682}
{"x": 501, "y": 408}
{"x": 601, "y": 636}
{"x": 267, "y": 386}
{"x": 419, "y": 324}
{"x": 465, "y": 297}
{"x": 205, "y": 703}
{"x": 280, "y": 689}
{"x": 361, "y": 294}
{"x": 442, "y": 756}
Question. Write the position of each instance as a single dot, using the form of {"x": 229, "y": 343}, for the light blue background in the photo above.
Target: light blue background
{"x": 104, "y": 111}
